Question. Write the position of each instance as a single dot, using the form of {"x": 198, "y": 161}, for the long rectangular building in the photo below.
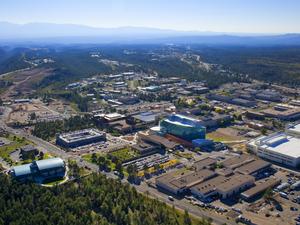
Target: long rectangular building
{"x": 260, "y": 187}
{"x": 253, "y": 167}
{"x": 281, "y": 147}
{"x": 79, "y": 138}
{"x": 179, "y": 184}
{"x": 222, "y": 186}
{"x": 41, "y": 170}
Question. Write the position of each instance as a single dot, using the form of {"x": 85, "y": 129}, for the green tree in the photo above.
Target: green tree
{"x": 186, "y": 218}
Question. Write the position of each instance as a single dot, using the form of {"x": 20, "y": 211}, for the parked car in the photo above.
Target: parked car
{"x": 171, "y": 198}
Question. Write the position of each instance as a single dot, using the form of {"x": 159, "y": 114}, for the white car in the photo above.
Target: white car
{"x": 170, "y": 198}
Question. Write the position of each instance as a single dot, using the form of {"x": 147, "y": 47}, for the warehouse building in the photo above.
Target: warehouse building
{"x": 237, "y": 161}
{"x": 281, "y": 147}
{"x": 234, "y": 185}
{"x": 207, "y": 188}
{"x": 222, "y": 186}
{"x": 180, "y": 184}
{"x": 254, "y": 167}
{"x": 41, "y": 170}
{"x": 79, "y": 138}
{"x": 204, "y": 163}
{"x": 289, "y": 114}
{"x": 260, "y": 187}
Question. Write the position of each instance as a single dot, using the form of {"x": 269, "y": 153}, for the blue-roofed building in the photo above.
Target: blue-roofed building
{"x": 202, "y": 143}
{"x": 183, "y": 127}
{"x": 41, "y": 170}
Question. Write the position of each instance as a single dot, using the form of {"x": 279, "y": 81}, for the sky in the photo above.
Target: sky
{"x": 240, "y": 16}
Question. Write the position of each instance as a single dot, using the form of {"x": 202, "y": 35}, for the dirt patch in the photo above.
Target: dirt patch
{"x": 225, "y": 135}
{"x": 24, "y": 81}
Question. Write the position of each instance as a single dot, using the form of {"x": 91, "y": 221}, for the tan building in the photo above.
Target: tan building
{"x": 179, "y": 184}
{"x": 234, "y": 185}
{"x": 223, "y": 186}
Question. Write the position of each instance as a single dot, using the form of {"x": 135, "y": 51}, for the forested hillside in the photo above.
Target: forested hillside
{"x": 93, "y": 200}
{"x": 271, "y": 64}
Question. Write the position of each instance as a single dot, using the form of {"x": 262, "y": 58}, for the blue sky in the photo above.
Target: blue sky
{"x": 250, "y": 16}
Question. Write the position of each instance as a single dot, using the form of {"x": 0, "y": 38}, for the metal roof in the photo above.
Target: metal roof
{"x": 22, "y": 170}
{"x": 49, "y": 163}
{"x": 146, "y": 116}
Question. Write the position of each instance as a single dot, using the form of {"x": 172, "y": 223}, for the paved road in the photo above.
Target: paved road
{"x": 143, "y": 188}
{"x": 182, "y": 204}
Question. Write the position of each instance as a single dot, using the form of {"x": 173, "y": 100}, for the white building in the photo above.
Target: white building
{"x": 283, "y": 148}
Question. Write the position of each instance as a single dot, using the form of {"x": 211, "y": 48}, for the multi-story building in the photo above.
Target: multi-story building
{"x": 79, "y": 138}
{"x": 279, "y": 147}
{"x": 183, "y": 127}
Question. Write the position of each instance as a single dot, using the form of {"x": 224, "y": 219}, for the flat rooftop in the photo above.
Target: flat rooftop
{"x": 80, "y": 135}
{"x": 288, "y": 112}
{"x": 260, "y": 186}
{"x": 210, "y": 185}
{"x": 185, "y": 180}
{"x": 202, "y": 163}
{"x": 161, "y": 140}
{"x": 253, "y": 166}
{"x": 193, "y": 178}
{"x": 295, "y": 128}
{"x": 281, "y": 144}
{"x": 237, "y": 161}
{"x": 146, "y": 116}
{"x": 234, "y": 182}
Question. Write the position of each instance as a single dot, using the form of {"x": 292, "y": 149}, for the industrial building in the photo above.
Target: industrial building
{"x": 41, "y": 170}
{"x": 280, "y": 147}
{"x": 183, "y": 127}
{"x": 237, "y": 161}
{"x": 288, "y": 114}
{"x": 234, "y": 185}
{"x": 260, "y": 187}
{"x": 79, "y": 138}
{"x": 204, "y": 163}
{"x": 223, "y": 186}
{"x": 179, "y": 184}
{"x": 158, "y": 140}
{"x": 253, "y": 168}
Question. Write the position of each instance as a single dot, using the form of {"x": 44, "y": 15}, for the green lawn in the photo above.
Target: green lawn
{"x": 124, "y": 154}
{"x": 16, "y": 142}
{"x": 88, "y": 157}
{"x": 55, "y": 182}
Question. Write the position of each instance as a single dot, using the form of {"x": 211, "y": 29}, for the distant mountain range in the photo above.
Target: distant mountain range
{"x": 69, "y": 33}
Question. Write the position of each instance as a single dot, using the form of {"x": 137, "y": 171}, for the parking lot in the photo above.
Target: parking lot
{"x": 111, "y": 144}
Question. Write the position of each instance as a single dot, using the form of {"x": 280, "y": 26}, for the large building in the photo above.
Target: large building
{"x": 183, "y": 127}
{"x": 79, "y": 138}
{"x": 41, "y": 170}
{"x": 280, "y": 147}
{"x": 178, "y": 184}
{"x": 259, "y": 188}
{"x": 223, "y": 186}
{"x": 283, "y": 114}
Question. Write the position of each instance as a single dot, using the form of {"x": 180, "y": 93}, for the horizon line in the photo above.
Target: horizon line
{"x": 155, "y": 28}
